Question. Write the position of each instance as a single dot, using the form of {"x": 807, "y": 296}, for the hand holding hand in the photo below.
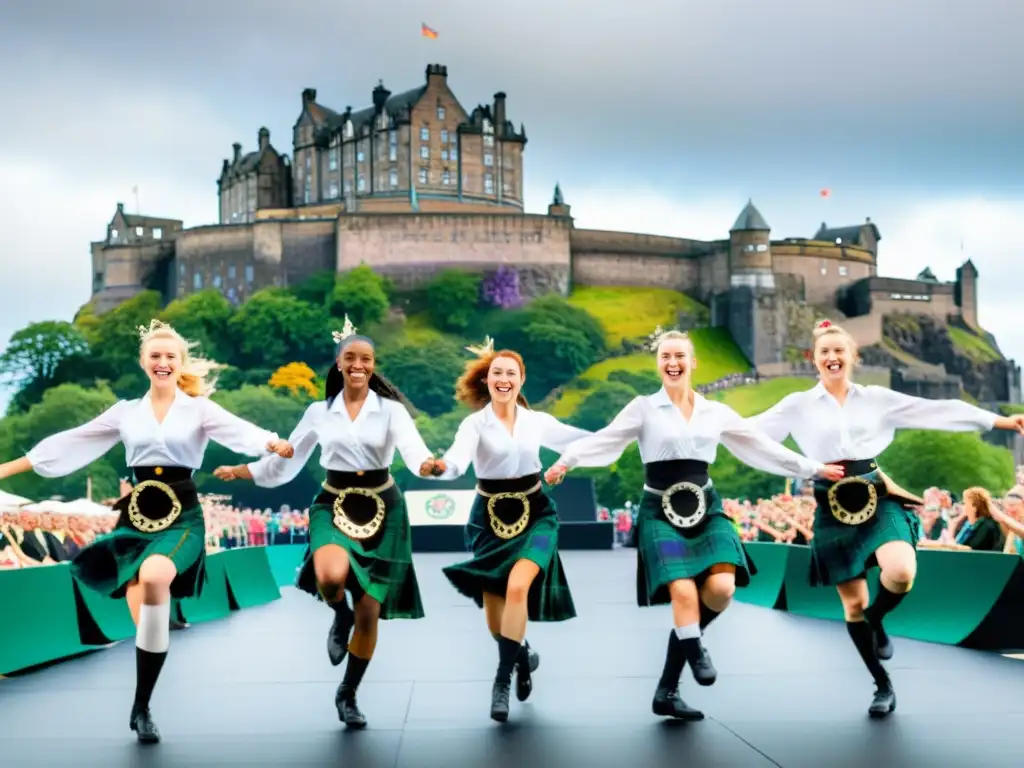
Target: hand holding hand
{"x": 282, "y": 448}
{"x": 225, "y": 473}
{"x": 555, "y": 474}
{"x": 833, "y": 472}
{"x": 427, "y": 467}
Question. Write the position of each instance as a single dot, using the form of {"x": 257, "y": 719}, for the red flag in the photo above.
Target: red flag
{"x": 428, "y": 32}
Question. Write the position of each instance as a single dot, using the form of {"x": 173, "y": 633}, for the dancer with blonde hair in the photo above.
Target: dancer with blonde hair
{"x": 157, "y": 551}
{"x": 515, "y": 573}
{"x": 862, "y": 520}
{"x": 689, "y": 554}
{"x": 359, "y": 534}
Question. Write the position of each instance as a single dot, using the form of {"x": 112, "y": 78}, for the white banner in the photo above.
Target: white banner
{"x": 441, "y": 507}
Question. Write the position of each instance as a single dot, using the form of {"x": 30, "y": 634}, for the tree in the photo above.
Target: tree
{"x": 453, "y": 297}
{"x": 602, "y": 404}
{"x": 425, "y": 374}
{"x": 274, "y": 328}
{"x": 114, "y": 341}
{"x": 203, "y": 318}
{"x": 34, "y": 356}
{"x": 296, "y": 378}
{"x": 62, "y": 407}
{"x": 360, "y": 294}
{"x": 919, "y": 459}
{"x": 316, "y": 289}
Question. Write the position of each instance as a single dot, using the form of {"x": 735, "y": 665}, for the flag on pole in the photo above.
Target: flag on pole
{"x": 135, "y": 189}
{"x": 428, "y": 32}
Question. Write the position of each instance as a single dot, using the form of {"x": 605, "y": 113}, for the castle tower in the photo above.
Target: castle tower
{"x": 750, "y": 250}
{"x": 558, "y": 206}
{"x": 966, "y": 292}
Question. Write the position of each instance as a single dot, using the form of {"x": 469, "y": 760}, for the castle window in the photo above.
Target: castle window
{"x": 488, "y": 128}
{"x": 309, "y": 160}
{"x": 440, "y": 112}
{"x": 216, "y": 281}
{"x": 182, "y": 269}
{"x": 232, "y": 272}
{"x": 113, "y": 235}
{"x": 423, "y": 175}
{"x": 839, "y": 241}
{"x": 444, "y": 155}
{"x": 488, "y": 159}
{"x": 393, "y": 153}
{"x": 446, "y": 178}
{"x": 749, "y": 248}
{"x": 507, "y": 188}
{"x": 333, "y": 190}
{"x": 348, "y": 186}
{"x": 348, "y": 129}
{"x": 424, "y": 151}
{"x": 307, "y": 194}
{"x": 393, "y": 138}
{"x": 824, "y": 270}
{"x": 197, "y": 281}
{"x": 250, "y": 273}
{"x": 761, "y": 247}
{"x": 393, "y": 177}
{"x": 360, "y": 156}
{"x": 361, "y": 183}
{"x": 444, "y": 136}
{"x": 332, "y": 160}
{"x": 488, "y": 184}
{"x": 158, "y": 233}
{"x": 843, "y": 271}
{"x": 424, "y": 134}
{"x": 488, "y": 140}
{"x": 139, "y": 231}
{"x": 453, "y": 154}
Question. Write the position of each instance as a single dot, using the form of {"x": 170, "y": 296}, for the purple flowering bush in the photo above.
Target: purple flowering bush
{"x": 501, "y": 289}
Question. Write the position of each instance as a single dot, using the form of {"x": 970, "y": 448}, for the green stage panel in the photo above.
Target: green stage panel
{"x": 38, "y": 618}
{"x": 766, "y": 585}
{"x": 250, "y": 578}
{"x": 285, "y": 560}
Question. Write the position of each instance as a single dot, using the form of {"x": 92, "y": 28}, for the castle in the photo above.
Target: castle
{"x": 415, "y": 184}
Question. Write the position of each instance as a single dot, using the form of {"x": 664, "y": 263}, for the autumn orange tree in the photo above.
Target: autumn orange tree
{"x": 296, "y": 378}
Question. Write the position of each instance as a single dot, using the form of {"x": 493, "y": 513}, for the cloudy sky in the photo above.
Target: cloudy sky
{"x": 658, "y": 116}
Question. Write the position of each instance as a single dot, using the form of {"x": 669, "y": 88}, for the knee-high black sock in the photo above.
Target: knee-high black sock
{"x": 508, "y": 652}
{"x": 354, "y": 672}
{"x": 147, "y": 671}
{"x": 860, "y": 633}
{"x": 885, "y": 601}
{"x": 674, "y": 662}
{"x": 707, "y": 615}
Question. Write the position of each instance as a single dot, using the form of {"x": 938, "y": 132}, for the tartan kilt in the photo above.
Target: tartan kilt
{"x": 841, "y": 553}
{"x": 380, "y": 566}
{"x": 550, "y": 598}
{"x": 110, "y": 563}
{"x": 665, "y": 553}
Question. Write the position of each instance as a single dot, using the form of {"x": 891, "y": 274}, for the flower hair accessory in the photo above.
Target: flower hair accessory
{"x": 484, "y": 349}
{"x": 346, "y": 330}
{"x": 825, "y": 324}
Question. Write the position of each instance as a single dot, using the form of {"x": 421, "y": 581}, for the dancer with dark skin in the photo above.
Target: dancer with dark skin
{"x": 359, "y": 534}
{"x": 515, "y": 574}
{"x": 688, "y": 552}
{"x": 158, "y": 549}
{"x": 864, "y": 520}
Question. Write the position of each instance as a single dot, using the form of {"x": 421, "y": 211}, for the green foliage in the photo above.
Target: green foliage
{"x": 644, "y": 382}
{"x": 453, "y": 299}
{"x": 953, "y": 460}
{"x": 425, "y": 374}
{"x": 203, "y": 318}
{"x": 275, "y": 327}
{"x": 62, "y": 407}
{"x": 972, "y": 346}
{"x": 316, "y": 289}
{"x": 603, "y": 404}
{"x": 114, "y": 341}
{"x": 37, "y": 357}
{"x": 360, "y": 294}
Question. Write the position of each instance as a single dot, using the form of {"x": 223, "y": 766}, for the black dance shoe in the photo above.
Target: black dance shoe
{"x": 881, "y": 642}
{"x": 348, "y": 710}
{"x": 884, "y": 702}
{"x": 668, "y": 704}
{"x": 337, "y": 637}
{"x": 699, "y": 659}
{"x": 499, "y": 701}
{"x": 142, "y": 723}
{"x": 526, "y": 664}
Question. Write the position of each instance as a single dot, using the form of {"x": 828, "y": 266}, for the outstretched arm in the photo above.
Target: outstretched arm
{"x": 908, "y": 412}
{"x": 601, "y": 448}
{"x": 754, "y": 448}
{"x": 274, "y": 470}
{"x": 558, "y": 436}
{"x": 237, "y": 434}
{"x": 66, "y": 452}
{"x": 775, "y": 422}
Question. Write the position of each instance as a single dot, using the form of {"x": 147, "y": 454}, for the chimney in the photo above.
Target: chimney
{"x": 308, "y": 96}
{"x": 436, "y": 72}
{"x": 238, "y": 151}
{"x": 499, "y": 113}
{"x": 264, "y": 139}
{"x": 380, "y": 96}
{"x": 120, "y": 207}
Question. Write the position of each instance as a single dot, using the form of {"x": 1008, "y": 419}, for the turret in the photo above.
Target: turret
{"x": 750, "y": 248}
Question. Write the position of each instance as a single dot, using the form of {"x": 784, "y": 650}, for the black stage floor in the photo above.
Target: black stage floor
{"x": 257, "y": 689}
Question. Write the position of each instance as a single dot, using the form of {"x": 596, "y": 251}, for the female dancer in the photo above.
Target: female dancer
{"x": 688, "y": 552}
{"x": 515, "y": 572}
{"x": 859, "y": 521}
{"x": 156, "y": 552}
{"x": 359, "y": 536}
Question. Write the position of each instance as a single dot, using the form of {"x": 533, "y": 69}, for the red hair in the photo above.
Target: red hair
{"x": 471, "y": 387}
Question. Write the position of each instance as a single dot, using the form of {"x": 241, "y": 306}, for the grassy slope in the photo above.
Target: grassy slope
{"x": 971, "y": 346}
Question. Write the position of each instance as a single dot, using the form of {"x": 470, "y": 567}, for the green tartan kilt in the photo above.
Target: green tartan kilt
{"x": 665, "y": 553}
{"x": 550, "y": 598}
{"x": 380, "y": 567}
{"x": 110, "y": 563}
{"x": 841, "y": 553}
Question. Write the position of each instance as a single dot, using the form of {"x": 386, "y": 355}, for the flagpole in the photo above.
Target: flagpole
{"x": 135, "y": 191}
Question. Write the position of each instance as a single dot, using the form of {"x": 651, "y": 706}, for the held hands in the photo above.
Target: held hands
{"x": 282, "y": 448}
{"x": 1013, "y": 423}
{"x": 433, "y": 467}
{"x": 832, "y": 472}
{"x": 555, "y": 474}
{"x": 225, "y": 473}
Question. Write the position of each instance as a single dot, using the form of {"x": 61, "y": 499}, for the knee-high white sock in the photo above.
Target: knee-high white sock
{"x": 689, "y": 632}
{"x": 154, "y": 630}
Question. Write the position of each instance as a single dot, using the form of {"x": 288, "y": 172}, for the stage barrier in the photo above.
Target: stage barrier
{"x": 46, "y": 615}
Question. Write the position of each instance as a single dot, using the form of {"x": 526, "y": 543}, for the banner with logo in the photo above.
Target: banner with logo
{"x": 440, "y": 507}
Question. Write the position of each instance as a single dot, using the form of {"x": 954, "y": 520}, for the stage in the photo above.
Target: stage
{"x": 257, "y": 689}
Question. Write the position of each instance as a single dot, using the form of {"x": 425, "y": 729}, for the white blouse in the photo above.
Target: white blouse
{"x": 866, "y": 424}
{"x": 496, "y": 453}
{"x": 663, "y": 434}
{"x": 179, "y": 441}
{"x": 347, "y": 445}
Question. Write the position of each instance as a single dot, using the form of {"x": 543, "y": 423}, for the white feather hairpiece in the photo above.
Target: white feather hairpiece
{"x": 346, "y": 330}
{"x": 653, "y": 338}
{"x": 484, "y": 349}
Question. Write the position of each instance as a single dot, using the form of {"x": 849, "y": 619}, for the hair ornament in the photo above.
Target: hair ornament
{"x": 484, "y": 349}
{"x": 825, "y": 324}
{"x": 346, "y": 330}
{"x": 143, "y": 330}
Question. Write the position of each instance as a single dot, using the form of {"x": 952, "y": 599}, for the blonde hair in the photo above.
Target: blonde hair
{"x": 828, "y": 328}
{"x": 664, "y": 336}
{"x": 980, "y": 499}
{"x": 196, "y": 375}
